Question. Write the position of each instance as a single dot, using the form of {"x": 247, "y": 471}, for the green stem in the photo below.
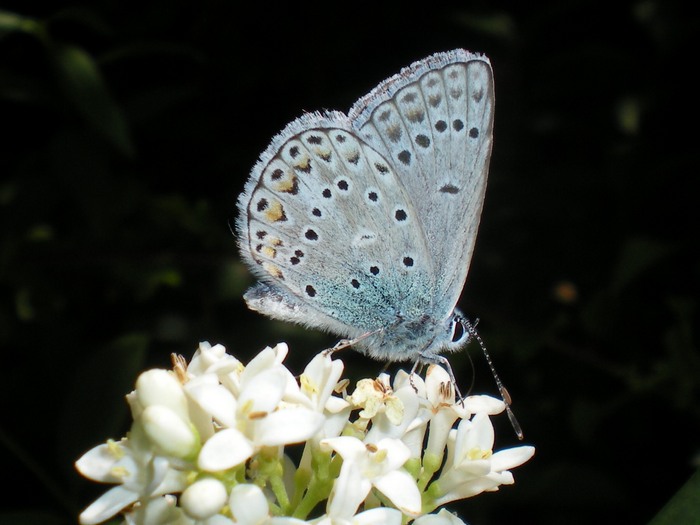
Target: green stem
{"x": 280, "y": 492}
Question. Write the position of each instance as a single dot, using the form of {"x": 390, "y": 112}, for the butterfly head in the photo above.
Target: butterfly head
{"x": 458, "y": 331}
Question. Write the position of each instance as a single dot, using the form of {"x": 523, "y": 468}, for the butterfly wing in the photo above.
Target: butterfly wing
{"x": 327, "y": 225}
{"x": 434, "y": 122}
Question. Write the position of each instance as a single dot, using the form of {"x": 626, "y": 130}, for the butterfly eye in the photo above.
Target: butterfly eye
{"x": 458, "y": 330}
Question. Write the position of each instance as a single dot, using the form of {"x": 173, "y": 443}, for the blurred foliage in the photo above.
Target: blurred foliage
{"x": 129, "y": 130}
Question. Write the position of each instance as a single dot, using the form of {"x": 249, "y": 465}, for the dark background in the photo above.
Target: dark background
{"x": 129, "y": 129}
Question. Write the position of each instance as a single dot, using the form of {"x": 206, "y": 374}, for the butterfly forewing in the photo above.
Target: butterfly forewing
{"x": 435, "y": 122}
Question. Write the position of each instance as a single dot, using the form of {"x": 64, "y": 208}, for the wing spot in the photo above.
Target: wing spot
{"x": 408, "y": 261}
{"x": 269, "y": 252}
{"x": 340, "y": 138}
{"x": 478, "y": 95}
{"x": 262, "y": 204}
{"x": 474, "y": 133}
{"x": 310, "y": 290}
{"x": 405, "y": 157}
{"x": 381, "y": 168}
{"x": 311, "y": 235}
{"x": 441, "y": 125}
{"x": 458, "y": 125}
{"x": 456, "y": 93}
{"x": 449, "y": 188}
{"x": 304, "y": 165}
{"x": 316, "y": 212}
{"x": 434, "y": 100}
{"x": 326, "y": 193}
{"x": 415, "y": 115}
{"x": 374, "y": 270}
{"x": 275, "y": 212}
{"x": 423, "y": 141}
{"x": 355, "y": 283}
{"x": 343, "y": 185}
{"x": 288, "y": 185}
{"x": 273, "y": 269}
{"x": 260, "y": 234}
{"x": 354, "y": 157}
{"x": 394, "y": 133}
{"x": 400, "y": 215}
{"x": 372, "y": 195}
{"x": 314, "y": 139}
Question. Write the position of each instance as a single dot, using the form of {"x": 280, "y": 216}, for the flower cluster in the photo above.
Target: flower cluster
{"x": 210, "y": 444}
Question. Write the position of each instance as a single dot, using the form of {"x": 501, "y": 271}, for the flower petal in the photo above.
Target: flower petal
{"x": 98, "y": 462}
{"x": 215, "y": 400}
{"x": 107, "y": 505}
{"x": 401, "y": 489}
{"x": 511, "y": 457}
{"x": 248, "y": 504}
{"x": 168, "y": 431}
{"x": 378, "y": 516}
{"x": 263, "y": 392}
{"x": 226, "y": 449}
{"x": 290, "y": 425}
{"x": 443, "y": 517}
{"x": 349, "y": 490}
{"x": 160, "y": 387}
{"x": 348, "y": 447}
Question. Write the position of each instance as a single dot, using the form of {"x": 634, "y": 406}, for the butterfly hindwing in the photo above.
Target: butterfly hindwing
{"x": 318, "y": 220}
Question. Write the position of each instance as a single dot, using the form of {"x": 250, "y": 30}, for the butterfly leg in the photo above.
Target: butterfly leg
{"x": 345, "y": 343}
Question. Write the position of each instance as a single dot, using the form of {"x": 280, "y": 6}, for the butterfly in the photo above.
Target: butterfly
{"x": 364, "y": 224}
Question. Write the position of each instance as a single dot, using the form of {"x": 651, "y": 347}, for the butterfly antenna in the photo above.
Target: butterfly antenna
{"x": 505, "y": 396}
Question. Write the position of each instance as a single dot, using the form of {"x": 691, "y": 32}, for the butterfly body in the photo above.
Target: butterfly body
{"x": 364, "y": 224}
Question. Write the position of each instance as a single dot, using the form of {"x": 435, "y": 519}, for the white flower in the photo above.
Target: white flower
{"x": 384, "y": 425}
{"x": 208, "y": 446}
{"x": 375, "y": 396}
{"x": 256, "y": 422}
{"x": 319, "y": 379}
{"x": 374, "y": 465}
{"x": 140, "y": 475}
{"x": 440, "y": 398}
{"x": 471, "y": 466}
{"x": 213, "y": 359}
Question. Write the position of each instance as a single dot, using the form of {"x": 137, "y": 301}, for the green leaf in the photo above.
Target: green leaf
{"x": 684, "y": 506}
{"x": 12, "y": 22}
{"x": 83, "y": 85}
